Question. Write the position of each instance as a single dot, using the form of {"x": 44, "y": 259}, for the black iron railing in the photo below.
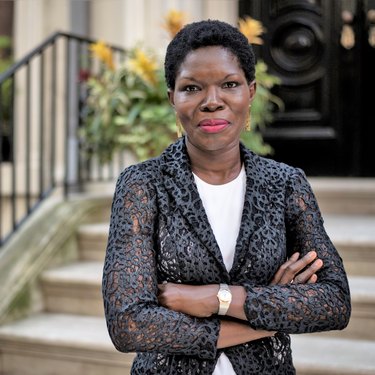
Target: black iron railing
{"x": 41, "y": 99}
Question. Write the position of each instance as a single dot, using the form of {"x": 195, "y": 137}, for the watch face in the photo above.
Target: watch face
{"x": 225, "y": 296}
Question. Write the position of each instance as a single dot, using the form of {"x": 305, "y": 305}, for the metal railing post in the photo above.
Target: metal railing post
{"x": 40, "y": 141}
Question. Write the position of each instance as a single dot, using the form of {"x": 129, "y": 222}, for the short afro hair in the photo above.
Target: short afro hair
{"x": 208, "y": 33}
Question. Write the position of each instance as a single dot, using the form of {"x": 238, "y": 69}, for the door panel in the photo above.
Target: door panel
{"x": 367, "y": 141}
{"x": 323, "y": 126}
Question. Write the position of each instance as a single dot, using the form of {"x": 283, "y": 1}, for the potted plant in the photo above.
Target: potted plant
{"x": 127, "y": 107}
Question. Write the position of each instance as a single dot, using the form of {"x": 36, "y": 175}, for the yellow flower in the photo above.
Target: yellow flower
{"x": 174, "y": 21}
{"x": 252, "y": 29}
{"x": 103, "y": 53}
{"x": 144, "y": 66}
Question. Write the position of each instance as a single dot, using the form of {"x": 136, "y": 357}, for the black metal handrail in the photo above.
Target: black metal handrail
{"x": 41, "y": 99}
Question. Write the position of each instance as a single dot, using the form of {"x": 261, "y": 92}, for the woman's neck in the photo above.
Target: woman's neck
{"x": 215, "y": 167}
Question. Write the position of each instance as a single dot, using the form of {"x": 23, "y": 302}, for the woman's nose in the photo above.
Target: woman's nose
{"x": 212, "y": 101}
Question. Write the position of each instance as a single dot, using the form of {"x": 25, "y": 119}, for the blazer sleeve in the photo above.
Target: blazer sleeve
{"x": 300, "y": 308}
{"x": 135, "y": 321}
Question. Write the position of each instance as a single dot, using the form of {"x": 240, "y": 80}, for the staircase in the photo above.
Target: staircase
{"x": 70, "y": 337}
{"x": 348, "y": 208}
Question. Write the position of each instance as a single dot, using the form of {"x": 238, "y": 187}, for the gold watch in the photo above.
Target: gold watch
{"x": 224, "y": 296}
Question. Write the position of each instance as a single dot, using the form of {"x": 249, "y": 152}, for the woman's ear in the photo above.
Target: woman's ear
{"x": 252, "y": 89}
{"x": 171, "y": 97}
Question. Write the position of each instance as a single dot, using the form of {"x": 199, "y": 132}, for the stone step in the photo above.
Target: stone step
{"x": 74, "y": 344}
{"x": 92, "y": 241}
{"x": 345, "y": 195}
{"x": 336, "y": 195}
{"x": 58, "y": 344}
{"x": 354, "y": 238}
{"x": 76, "y": 289}
{"x": 362, "y": 321}
{"x": 353, "y": 235}
{"x": 315, "y": 355}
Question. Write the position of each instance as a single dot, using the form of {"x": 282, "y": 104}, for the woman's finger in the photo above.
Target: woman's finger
{"x": 305, "y": 276}
{"x": 313, "y": 279}
{"x": 293, "y": 269}
{"x": 280, "y": 272}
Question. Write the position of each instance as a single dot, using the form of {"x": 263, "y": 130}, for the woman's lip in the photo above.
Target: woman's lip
{"x": 213, "y": 125}
{"x": 213, "y": 122}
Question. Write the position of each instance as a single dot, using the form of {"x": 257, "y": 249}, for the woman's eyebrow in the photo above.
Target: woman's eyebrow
{"x": 196, "y": 80}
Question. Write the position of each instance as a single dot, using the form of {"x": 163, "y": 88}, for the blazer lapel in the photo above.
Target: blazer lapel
{"x": 242, "y": 258}
{"x": 180, "y": 185}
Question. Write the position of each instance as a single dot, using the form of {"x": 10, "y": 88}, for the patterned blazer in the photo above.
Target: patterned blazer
{"x": 159, "y": 231}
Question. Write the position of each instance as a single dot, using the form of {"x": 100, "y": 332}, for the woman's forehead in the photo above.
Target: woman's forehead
{"x": 210, "y": 57}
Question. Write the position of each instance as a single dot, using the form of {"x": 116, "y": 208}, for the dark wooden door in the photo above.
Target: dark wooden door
{"x": 324, "y": 53}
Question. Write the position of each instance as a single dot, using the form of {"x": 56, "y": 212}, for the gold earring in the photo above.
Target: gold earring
{"x": 248, "y": 120}
{"x": 179, "y": 126}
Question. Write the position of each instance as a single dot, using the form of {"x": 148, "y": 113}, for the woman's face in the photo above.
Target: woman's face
{"x": 212, "y": 97}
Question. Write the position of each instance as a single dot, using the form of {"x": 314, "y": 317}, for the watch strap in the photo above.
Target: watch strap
{"x": 225, "y": 297}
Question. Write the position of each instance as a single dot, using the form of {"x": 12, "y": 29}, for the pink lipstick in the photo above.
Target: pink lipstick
{"x": 213, "y": 125}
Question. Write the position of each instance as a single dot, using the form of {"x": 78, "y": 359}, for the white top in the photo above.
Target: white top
{"x": 223, "y": 205}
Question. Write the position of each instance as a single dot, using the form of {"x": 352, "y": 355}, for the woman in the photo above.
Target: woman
{"x": 215, "y": 254}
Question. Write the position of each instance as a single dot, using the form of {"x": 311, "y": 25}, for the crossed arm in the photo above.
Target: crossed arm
{"x": 172, "y": 318}
{"x": 201, "y": 301}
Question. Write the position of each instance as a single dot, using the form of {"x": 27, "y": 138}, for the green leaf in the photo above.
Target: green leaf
{"x": 124, "y": 112}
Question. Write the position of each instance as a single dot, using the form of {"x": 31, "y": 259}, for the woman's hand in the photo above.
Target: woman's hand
{"x": 235, "y": 333}
{"x": 298, "y": 271}
{"x": 201, "y": 300}
{"x": 195, "y": 300}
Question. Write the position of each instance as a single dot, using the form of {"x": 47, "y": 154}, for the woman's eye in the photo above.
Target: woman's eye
{"x": 190, "y": 88}
{"x": 230, "y": 85}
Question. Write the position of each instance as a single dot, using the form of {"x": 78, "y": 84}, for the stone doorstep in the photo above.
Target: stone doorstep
{"x": 344, "y": 195}
{"x": 74, "y": 289}
{"x": 76, "y": 277}
{"x": 352, "y": 229}
{"x": 362, "y": 321}
{"x": 69, "y": 331}
{"x": 348, "y": 185}
{"x": 354, "y": 238}
{"x": 67, "y": 352}
{"x": 31, "y": 363}
{"x": 73, "y": 338}
{"x": 95, "y": 231}
{"x": 314, "y": 355}
{"x": 65, "y": 336}
{"x": 335, "y": 195}
{"x": 363, "y": 290}
{"x": 92, "y": 241}
{"x": 87, "y": 273}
